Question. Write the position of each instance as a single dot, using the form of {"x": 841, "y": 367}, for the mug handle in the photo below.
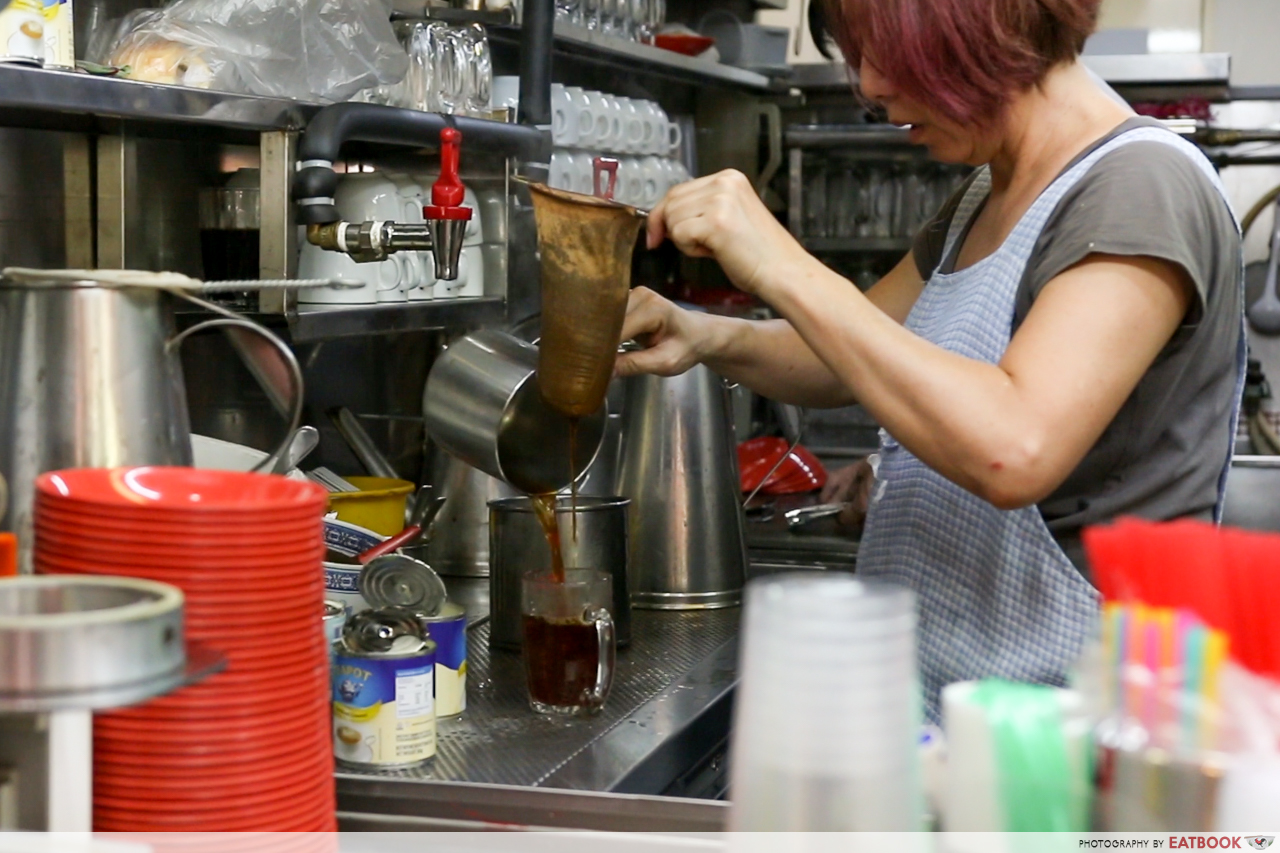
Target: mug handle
{"x": 607, "y": 649}
{"x": 261, "y": 370}
{"x": 674, "y": 139}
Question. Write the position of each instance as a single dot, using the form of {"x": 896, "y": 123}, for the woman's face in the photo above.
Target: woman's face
{"x": 946, "y": 140}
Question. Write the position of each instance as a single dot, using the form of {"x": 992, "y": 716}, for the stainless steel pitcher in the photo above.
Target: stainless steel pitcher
{"x": 90, "y": 377}
{"x": 679, "y": 466}
{"x": 482, "y": 404}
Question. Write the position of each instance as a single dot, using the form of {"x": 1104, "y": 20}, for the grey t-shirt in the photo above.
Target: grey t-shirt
{"x": 1162, "y": 455}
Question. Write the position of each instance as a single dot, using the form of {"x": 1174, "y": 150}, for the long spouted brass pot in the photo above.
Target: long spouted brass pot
{"x": 585, "y": 245}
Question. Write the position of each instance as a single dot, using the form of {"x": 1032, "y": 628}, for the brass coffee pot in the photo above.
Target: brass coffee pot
{"x": 585, "y": 244}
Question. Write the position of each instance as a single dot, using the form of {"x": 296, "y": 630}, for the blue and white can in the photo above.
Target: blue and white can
{"x": 448, "y": 629}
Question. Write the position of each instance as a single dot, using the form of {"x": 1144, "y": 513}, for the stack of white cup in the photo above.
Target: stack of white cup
{"x": 641, "y": 182}
{"x": 404, "y": 276}
{"x": 827, "y": 716}
{"x": 603, "y": 122}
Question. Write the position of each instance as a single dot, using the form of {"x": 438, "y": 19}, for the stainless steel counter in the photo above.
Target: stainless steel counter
{"x": 663, "y": 731}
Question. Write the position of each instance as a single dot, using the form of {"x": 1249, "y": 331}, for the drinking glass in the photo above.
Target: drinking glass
{"x": 448, "y": 53}
{"x": 569, "y": 11}
{"x": 639, "y": 24}
{"x": 569, "y": 642}
{"x": 591, "y": 17}
{"x": 478, "y": 62}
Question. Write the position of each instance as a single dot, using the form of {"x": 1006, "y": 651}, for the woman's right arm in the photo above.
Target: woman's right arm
{"x": 769, "y": 357}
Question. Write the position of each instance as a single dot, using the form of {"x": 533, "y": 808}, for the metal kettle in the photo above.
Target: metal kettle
{"x": 90, "y": 376}
{"x": 679, "y": 466}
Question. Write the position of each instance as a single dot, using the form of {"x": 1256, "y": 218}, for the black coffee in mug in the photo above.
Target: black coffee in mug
{"x": 562, "y": 662}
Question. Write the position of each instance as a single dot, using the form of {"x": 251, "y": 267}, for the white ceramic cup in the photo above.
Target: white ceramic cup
{"x": 562, "y": 170}
{"x": 506, "y": 92}
{"x": 654, "y": 173}
{"x": 632, "y": 138}
{"x": 580, "y": 112}
{"x": 584, "y": 172}
{"x": 654, "y": 125}
{"x": 314, "y": 262}
{"x": 564, "y": 119}
{"x": 601, "y": 121}
{"x": 630, "y": 181}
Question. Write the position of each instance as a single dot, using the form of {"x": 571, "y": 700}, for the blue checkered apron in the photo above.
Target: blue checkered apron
{"x": 998, "y": 597}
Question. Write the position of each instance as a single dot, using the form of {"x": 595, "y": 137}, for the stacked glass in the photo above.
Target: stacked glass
{"x": 827, "y": 717}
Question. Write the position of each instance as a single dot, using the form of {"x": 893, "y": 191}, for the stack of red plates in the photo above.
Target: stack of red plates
{"x": 248, "y": 749}
{"x": 797, "y": 473}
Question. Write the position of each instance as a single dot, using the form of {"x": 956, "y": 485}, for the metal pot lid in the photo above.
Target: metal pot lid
{"x": 395, "y": 580}
{"x": 390, "y": 631}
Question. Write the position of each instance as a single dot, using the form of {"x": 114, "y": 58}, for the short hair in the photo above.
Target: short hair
{"x": 962, "y": 58}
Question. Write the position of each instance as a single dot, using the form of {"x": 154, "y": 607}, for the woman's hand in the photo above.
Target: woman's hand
{"x": 676, "y": 339}
{"x": 851, "y": 484}
{"x": 721, "y": 217}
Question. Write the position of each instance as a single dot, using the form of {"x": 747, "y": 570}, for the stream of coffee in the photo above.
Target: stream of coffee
{"x": 544, "y": 507}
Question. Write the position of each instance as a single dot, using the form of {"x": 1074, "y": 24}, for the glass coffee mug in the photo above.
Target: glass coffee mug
{"x": 569, "y": 645}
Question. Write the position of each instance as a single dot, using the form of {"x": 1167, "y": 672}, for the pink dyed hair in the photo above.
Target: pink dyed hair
{"x": 962, "y": 58}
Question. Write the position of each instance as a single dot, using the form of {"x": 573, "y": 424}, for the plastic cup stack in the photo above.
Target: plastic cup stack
{"x": 827, "y": 717}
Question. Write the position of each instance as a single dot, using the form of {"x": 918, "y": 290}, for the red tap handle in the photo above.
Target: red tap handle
{"x": 609, "y": 166}
{"x": 447, "y": 193}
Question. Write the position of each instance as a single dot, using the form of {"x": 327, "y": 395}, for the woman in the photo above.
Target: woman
{"x": 1062, "y": 346}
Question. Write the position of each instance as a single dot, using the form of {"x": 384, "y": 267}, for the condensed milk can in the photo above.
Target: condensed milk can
{"x": 383, "y": 675}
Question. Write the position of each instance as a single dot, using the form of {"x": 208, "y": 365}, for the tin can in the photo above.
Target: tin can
{"x": 384, "y": 691}
{"x": 335, "y": 617}
{"x": 394, "y": 580}
{"x": 59, "y": 35}
{"x": 448, "y": 629}
{"x": 22, "y": 31}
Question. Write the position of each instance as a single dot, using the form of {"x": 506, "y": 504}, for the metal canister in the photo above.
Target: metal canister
{"x": 448, "y": 629}
{"x": 335, "y": 617}
{"x": 22, "y": 31}
{"x": 384, "y": 690}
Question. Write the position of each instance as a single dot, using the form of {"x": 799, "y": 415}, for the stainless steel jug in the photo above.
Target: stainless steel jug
{"x": 459, "y": 545}
{"x": 90, "y": 377}
{"x": 517, "y": 545}
{"x": 482, "y": 405}
{"x": 680, "y": 468}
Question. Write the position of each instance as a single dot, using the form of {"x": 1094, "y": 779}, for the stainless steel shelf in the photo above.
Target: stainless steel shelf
{"x": 1138, "y": 76}
{"x": 846, "y": 136}
{"x": 636, "y": 58}
{"x": 70, "y": 100}
{"x": 323, "y": 322}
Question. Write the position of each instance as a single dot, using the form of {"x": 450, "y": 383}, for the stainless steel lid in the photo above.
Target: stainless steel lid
{"x": 386, "y": 632}
{"x": 395, "y": 580}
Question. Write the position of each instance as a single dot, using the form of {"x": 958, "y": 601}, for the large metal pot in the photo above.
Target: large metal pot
{"x": 517, "y": 545}
{"x": 90, "y": 378}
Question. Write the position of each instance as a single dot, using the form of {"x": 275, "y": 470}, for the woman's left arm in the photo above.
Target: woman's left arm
{"x": 1008, "y": 432}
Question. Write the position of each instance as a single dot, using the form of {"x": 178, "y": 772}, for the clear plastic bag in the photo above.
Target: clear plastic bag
{"x": 313, "y": 50}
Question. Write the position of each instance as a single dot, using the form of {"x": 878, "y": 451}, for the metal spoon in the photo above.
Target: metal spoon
{"x": 1264, "y": 315}
{"x": 300, "y": 446}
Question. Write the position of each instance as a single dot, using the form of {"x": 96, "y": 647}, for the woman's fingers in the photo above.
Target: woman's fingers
{"x": 645, "y": 314}
{"x": 666, "y": 359}
{"x": 838, "y": 485}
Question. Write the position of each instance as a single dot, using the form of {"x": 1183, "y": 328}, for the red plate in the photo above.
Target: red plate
{"x": 264, "y": 522}
{"x": 319, "y": 818}
{"x": 180, "y": 788}
{"x": 250, "y": 799}
{"x": 123, "y": 554}
{"x": 180, "y": 489}
{"x": 308, "y": 759}
{"x": 300, "y": 573}
{"x": 232, "y": 543}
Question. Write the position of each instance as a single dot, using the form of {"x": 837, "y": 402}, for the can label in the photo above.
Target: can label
{"x": 59, "y": 34}
{"x": 384, "y": 709}
{"x": 22, "y": 31}
{"x": 450, "y": 636}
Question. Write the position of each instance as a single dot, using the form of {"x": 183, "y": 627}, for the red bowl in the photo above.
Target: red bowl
{"x": 798, "y": 473}
{"x": 689, "y": 45}
{"x": 233, "y": 541}
{"x": 181, "y": 490}
{"x": 179, "y": 555}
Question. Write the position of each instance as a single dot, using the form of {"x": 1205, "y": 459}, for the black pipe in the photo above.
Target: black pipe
{"x": 314, "y": 185}
{"x": 536, "y": 37}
